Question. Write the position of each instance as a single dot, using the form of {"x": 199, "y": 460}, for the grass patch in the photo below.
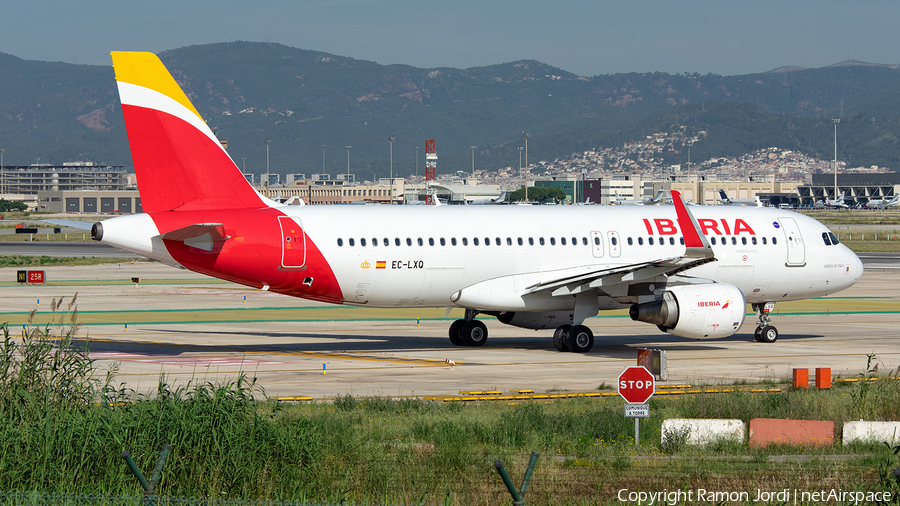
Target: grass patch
{"x": 48, "y": 261}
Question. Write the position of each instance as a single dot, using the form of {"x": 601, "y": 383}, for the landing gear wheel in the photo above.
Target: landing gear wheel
{"x": 757, "y": 334}
{"x": 580, "y": 339}
{"x": 455, "y": 327}
{"x": 559, "y": 337}
{"x": 473, "y": 333}
{"x": 768, "y": 334}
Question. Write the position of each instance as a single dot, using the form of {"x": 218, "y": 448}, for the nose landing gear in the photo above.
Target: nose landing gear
{"x": 765, "y": 333}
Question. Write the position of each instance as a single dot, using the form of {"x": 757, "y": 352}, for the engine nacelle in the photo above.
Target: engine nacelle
{"x": 537, "y": 319}
{"x": 706, "y": 311}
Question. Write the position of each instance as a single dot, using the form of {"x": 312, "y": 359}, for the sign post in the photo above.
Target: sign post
{"x": 636, "y": 385}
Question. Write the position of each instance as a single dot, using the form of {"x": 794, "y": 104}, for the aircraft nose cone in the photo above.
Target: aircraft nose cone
{"x": 854, "y": 267}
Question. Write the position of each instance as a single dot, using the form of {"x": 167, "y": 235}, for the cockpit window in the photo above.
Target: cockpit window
{"x": 826, "y": 238}
{"x": 834, "y": 240}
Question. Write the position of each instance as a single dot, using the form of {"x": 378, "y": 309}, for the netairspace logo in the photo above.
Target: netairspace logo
{"x": 785, "y": 496}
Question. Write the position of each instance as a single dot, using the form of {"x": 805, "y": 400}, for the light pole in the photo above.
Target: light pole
{"x": 267, "y": 164}
{"x": 391, "y": 142}
{"x": 525, "y": 135}
{"x": 323, "y": 158}
{"x": 836, "y": 121}
{"x": 473, "y": 160}
{"x": 417, "y": 163}
{"x": 348, "y": 160}
{"x": 1, "y": 170}
{"x": 520, "y": 159}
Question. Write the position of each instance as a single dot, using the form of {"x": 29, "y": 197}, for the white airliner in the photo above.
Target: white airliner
{"x": 689, "y": 271}
{"x": 728, "y": 201}
{"x": 837, "y": 203}
{"x": 882, "y": 203}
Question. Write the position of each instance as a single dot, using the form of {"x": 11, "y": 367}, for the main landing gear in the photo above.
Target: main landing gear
{"x": 764, "y": 333}
{"x": 578, "y": 338}
{"x": 468, "y": 331}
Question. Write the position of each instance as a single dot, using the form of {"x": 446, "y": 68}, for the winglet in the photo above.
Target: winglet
{"x": 694, "y": 240}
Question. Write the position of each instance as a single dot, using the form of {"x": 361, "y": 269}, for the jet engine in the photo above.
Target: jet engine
{"x": 537, "y": 319}
{"x": 696, "y": 311}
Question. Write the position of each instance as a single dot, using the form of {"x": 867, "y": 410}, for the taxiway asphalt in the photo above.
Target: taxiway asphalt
{"x": 194, "y": 328}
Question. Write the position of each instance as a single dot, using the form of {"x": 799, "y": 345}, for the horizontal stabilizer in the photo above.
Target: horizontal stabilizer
{"x": 81, "y": 225}
{"x": 207, "y": 237}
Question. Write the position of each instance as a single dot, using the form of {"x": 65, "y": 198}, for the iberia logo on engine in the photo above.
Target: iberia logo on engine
{"x": 713, "y": 303}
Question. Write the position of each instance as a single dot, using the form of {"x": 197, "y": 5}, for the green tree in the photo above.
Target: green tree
{"x": 9, "y": 205}
{"x": 539, "y": 194}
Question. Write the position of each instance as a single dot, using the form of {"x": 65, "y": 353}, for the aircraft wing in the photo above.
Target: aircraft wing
{"x": 697, "y": 252}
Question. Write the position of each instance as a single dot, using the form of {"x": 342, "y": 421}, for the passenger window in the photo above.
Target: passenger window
{"x": 453, "y": 241}
{"x": 834, "y": 239}
{"x": 774, "y": 241}
{"x": 734, "y": 241}
{"x": 419, "y": 240}
{"x": 584, "y": 241}
{"x": 640, "y": 241}
{"x": 396, "y": 241}
{"x": 753, "y": 240}
{"x": 613, "y": 240}
{"x": 630, "y": 242}
{"x": 408, "y": 241}
{"x": 387, "y": 242}
{"x": 650, "y": 241}
{"x": 431, "y": 241}
{"x": 552, "y": 241}
{"x": 744, "y": 241}
{"x": 350, "y": 241}
{"x": 541, "y": 240}
{"x": 362, "y": 242}
{"x": 682, "y": 240}
{"x": 671, "y": 241}
{"x": 340, "y": 242}
{"x": 374, "y": 242}
{"x": 712, "y": 241}
{"x": 596, "y": 241}
{"x": 764, "y": 240}
{"x": 562, "y": 241}
{"x": 475, "y": 241}
{"x": 487, "y": 241}
{"x": 519, "y": 241}
{"x": 465, "y": 241}
{"x": 531, "y": 241}
{"x": 574, "y": 241}
{"x": 443, "y": 242}
{"x": 509, "y": 241}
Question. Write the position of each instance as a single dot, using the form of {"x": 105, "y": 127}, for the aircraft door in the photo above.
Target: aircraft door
{"x": 293, "y": 243}
{"x": 597, "y": 244}
{"x": 615, "y": 246}
{"x": 796, "y": 250}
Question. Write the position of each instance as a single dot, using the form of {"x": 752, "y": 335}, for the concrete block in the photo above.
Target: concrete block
{"x": 705, "y": 431}
{"x": 879, "y": 432}
{"x": 766, "y": 431}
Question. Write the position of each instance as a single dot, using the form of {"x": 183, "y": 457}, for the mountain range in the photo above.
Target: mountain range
{"x": 53, "y": 112}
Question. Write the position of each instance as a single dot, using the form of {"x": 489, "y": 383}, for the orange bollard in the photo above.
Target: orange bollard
{"x": 823, "y": 378}
{"x": 801, "y": 378}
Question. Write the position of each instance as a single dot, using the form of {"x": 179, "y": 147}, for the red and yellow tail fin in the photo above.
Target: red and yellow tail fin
{"x": 178, "y": 160}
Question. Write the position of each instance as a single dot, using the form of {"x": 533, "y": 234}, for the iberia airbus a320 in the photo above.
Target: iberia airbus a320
{"x": 689, "y": 271}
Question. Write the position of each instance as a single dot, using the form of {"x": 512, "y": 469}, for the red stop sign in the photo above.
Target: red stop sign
{"x": 636, "y": 385}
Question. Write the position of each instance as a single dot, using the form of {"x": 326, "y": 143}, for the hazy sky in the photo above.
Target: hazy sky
{"x": 586, "y": 37}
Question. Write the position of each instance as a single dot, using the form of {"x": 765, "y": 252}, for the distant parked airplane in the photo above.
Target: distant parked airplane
{"x": 882, "y": 203}
{"x": 726, "y": 201}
